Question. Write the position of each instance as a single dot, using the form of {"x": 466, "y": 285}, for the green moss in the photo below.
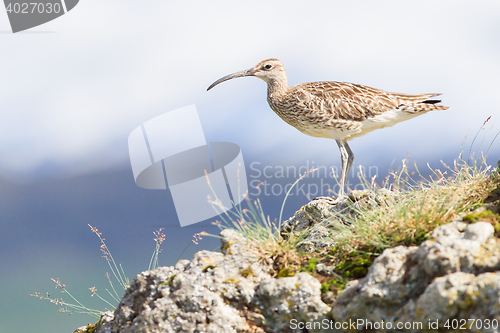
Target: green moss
{"x": 92, "y": 328}
{"x": 334, "y": 250}
{"x": 285, "y": 272}
{"x": 168, "y": 282}
{"x": 355, "y": 266}
{"x": 484, "y": 215}
{"x": 358, "y": 272}
{"x": 311, "y": 266}
{"x": 207, "y": 268}
{"x": 231, "y": 280}
{"x": 247, "y": 272}
{"x": 333, "y": 284}
{"x": 418, "y": 239}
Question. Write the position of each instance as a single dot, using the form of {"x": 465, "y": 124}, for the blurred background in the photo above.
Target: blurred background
{"x": 73, "y": 89}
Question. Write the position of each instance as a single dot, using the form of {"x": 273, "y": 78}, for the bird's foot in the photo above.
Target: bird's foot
{"x": 333, "y": 200}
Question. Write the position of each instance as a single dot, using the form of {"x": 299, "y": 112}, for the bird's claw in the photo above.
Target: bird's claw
{"x": 332, "y": 199}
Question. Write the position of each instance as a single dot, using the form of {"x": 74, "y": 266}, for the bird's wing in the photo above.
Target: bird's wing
{"x": 350, "y": 101}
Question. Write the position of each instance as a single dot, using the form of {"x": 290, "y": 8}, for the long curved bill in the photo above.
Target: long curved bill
{"x": 249, "y": 72}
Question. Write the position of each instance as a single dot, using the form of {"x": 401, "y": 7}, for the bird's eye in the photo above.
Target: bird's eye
{"x": 268, "y": 67}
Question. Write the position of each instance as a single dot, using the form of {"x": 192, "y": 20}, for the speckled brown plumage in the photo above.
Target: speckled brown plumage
{"x": 337, "y": 110}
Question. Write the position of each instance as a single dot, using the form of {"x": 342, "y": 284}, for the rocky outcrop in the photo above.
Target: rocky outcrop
{"x": 450, "y": 283}
{"x": 215, "y": 292}
{"x": 452, "y": 276}
{"x": 315, "y": 218}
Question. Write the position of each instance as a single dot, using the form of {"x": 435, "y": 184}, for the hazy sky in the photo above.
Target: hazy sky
{"x": 73, "y": 89}
{"x": 71, "y": 96}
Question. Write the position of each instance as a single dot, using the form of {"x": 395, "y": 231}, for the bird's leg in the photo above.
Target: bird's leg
{"x": 347, "y": 158}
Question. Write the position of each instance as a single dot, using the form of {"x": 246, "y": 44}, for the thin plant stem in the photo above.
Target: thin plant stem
{"x": 288, "y": 192}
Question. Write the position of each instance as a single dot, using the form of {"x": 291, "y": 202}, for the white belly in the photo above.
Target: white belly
{"x": 386, "y": 119}
{"x": 347, "y": 130}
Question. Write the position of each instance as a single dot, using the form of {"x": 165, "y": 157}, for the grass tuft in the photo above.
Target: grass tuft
{"x": 415, "y": 207}
{"x": 403, "y": 210}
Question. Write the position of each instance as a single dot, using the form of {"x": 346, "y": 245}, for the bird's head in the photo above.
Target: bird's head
{"x": 268, "y": 70}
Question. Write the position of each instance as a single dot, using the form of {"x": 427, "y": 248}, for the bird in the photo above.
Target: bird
{"x": 336, "y": 110}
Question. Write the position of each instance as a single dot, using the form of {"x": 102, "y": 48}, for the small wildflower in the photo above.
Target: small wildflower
{"x": 59, "y": 284}
{"x": 206, "y": 176}
{"x": 93, "y": 291}
{"x": 57, "y": 301}
{"x": 197, "y": 237}
{"x": 39, "y": 295}
{"x": 95, "y": 231}
{"x": 441, "y": 175}
{"x": 482, "y": 127}
{"x": 105, "y": 252}
{"x": 159, "y": 237}
{"x": 259, "y": 185}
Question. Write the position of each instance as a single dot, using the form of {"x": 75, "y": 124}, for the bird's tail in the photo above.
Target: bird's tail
{"x": 422, "y": 102}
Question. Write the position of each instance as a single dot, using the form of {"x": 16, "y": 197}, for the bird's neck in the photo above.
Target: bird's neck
{"x": 277, "y": 88}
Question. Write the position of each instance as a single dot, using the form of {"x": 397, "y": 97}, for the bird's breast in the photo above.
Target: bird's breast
{"x": 316, "y": 124}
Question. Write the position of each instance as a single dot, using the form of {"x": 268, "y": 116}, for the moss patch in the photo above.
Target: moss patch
{"x": 311, "y": 265}
{"x": 485, "y": 215}
{"x": 354, "y": 265}
{"x": 208, "y": 267}
{"x": 335, "y": 285}
{"x": 247, "y": 272}
{"x": 285, "y": 272}
{"x": 168, "y": 281}
{"x": 91, "y": 328}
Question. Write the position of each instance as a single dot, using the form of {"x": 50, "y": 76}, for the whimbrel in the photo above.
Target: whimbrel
{"x": 336, "y": 110}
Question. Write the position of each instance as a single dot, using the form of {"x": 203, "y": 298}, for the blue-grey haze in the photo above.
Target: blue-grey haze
{"x": 70, "y": 98}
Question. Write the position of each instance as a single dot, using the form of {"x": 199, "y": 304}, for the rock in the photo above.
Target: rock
{"x": 458, "y": 247}
{"x": 314, "y": 212}
{"x": 326, "y": 270}
{"x": 204, "y": 295}
{"x": 233, "y": 242}
{"x": 461, "y": 296}
{"x": 389, "y": 284}
{"x": 479, "y": 231}
{"x": 318, "y": 216}
{"x": 296, "y": 297}
{"x": 454, "y": 275}
{"x": 103, "y": 325}
{"x": 106, "y": 322}
{"x": 223, "y": 292}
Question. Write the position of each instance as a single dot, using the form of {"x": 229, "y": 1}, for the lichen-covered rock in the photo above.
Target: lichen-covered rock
{"x": 437, "y": 280}
{"x": 296, "y": 297}
{"x": 316, "y": 217}
{"x": 223, "y": 292}
{"x": 390, "y": 282}
{"x": 204, "y": 295}
{"x": 454, "y": 275}
{"x": 461, "y": 296}
{"x": 458, "y": 247}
